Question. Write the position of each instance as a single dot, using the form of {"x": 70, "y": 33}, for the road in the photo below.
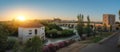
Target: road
{"x": 109, "y": 45}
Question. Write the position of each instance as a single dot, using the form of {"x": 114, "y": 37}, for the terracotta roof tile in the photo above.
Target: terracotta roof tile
{"x": 31, "y": 25}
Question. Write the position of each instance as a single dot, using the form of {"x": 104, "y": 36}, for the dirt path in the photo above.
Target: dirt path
{"x": 75, "y": 47}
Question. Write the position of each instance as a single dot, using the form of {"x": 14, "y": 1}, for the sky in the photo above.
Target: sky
{"x": 64, "y": 9}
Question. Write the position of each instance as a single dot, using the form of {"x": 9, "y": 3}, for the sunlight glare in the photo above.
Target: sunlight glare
{"x": 21, "y": 18}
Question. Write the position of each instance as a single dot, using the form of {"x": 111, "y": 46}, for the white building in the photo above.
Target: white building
{"x": 28, "y": 30}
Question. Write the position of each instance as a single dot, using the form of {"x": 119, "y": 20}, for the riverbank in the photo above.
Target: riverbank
{"x": 75, "y": 47}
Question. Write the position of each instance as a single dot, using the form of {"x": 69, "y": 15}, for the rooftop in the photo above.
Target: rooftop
{"x": 31, "y": 25}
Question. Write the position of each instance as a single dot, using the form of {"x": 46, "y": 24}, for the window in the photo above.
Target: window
{"x": 29, "y": 38}
{"x": 43, "y": 33}
{"x": 35, "y": 31}
{"x": 30, "y": 32}
{"x": 42, "y": 28}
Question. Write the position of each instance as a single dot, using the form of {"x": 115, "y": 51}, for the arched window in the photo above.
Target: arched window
{"x": 35, "y": 31}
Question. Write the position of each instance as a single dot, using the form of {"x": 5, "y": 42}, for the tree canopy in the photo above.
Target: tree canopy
{"x": 3, "y": 38}
{"x": 80, "y": 25}
{"x": 34, "y": 44}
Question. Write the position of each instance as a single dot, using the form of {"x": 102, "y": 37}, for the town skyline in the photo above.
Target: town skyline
{"x": 63, "y": 9}
{"x": 59, "y": 25}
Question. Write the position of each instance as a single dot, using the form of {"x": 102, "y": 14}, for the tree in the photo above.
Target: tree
{"x": 105, "y": 27}
{"x": 34, "y": 44}
{"x": 3, "y": 38}
{"x": 111, "y": 28}
{"x": 54, "y": 26}
{"x": 119, "y": 14}
{"x": 67, "y": 32}
{"x": 10, "y": 43}
{"x": 94, "y": 30}
{"x": 11, "y": 27}
{"x": 51, "y": 26}
{"x": 16, "y": 47}
{"x": 80, "y": 25}
{"x": 52, "y": 33}
{"x": 89, "y": 30}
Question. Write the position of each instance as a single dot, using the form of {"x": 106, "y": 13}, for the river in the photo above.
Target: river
{"x": 55, "y": 40}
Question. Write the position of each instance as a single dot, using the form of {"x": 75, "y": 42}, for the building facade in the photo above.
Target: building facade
{"x": 27, "y": 31}
{"x": 109, "y": 20}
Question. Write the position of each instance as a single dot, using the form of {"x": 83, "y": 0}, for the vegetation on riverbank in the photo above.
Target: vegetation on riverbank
{"x": 54, "y": 31}
{"x": 84, "y": 29}
{"x": 98, "y": 37}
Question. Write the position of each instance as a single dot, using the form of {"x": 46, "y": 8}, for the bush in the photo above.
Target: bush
{"x": 61, "y": 44}
{"x": 56, "y": 46}
{"x": 10, "y": 43}
{"x": 46, "y": 49}
{"x": 16, "y": 47}
{"x": 3, "y": 38}
{"x": 34, "y": 44}
{"x": 54, "y": 26}
{"x": 55, "y": 33}
{"x": 71, "y": 41}
{"x": 65, "y": 43}
{"x": 96, "y": 39}
{"x": 52, "y": 33}
{"x": 51, "y": 26}
{"x": 66, "y": 33}
{"x": 52, "y": 48}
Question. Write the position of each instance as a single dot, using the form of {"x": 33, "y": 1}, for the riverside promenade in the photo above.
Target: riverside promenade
{"x": 110, "y": 45}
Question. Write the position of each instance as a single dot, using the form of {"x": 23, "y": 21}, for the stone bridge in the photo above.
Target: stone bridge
{"x": 71, "y": 24}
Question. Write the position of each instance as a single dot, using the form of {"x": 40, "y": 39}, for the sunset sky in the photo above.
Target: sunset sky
{"x": 64, "y": 9}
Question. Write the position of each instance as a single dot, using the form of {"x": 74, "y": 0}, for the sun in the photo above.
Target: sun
{"x": 21, "y": 18}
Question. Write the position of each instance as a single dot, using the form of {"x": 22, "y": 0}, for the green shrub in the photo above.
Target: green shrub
{"x": 97, "y": 39}
{"x": 34, "y": 44}
{"x": 16, "y": 47}
{"x": 51, "y": 33}
{"x": 10, "y": 43}
{"x": 67, "y": 33}
{"x": 55, "y": 33}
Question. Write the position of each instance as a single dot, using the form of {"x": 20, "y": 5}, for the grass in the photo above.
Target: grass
{"x": 91, "y": 39}
{"x": 100, "y": 36}
{"x": 105, "y": 34}
{"x": 97, "y": 38}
